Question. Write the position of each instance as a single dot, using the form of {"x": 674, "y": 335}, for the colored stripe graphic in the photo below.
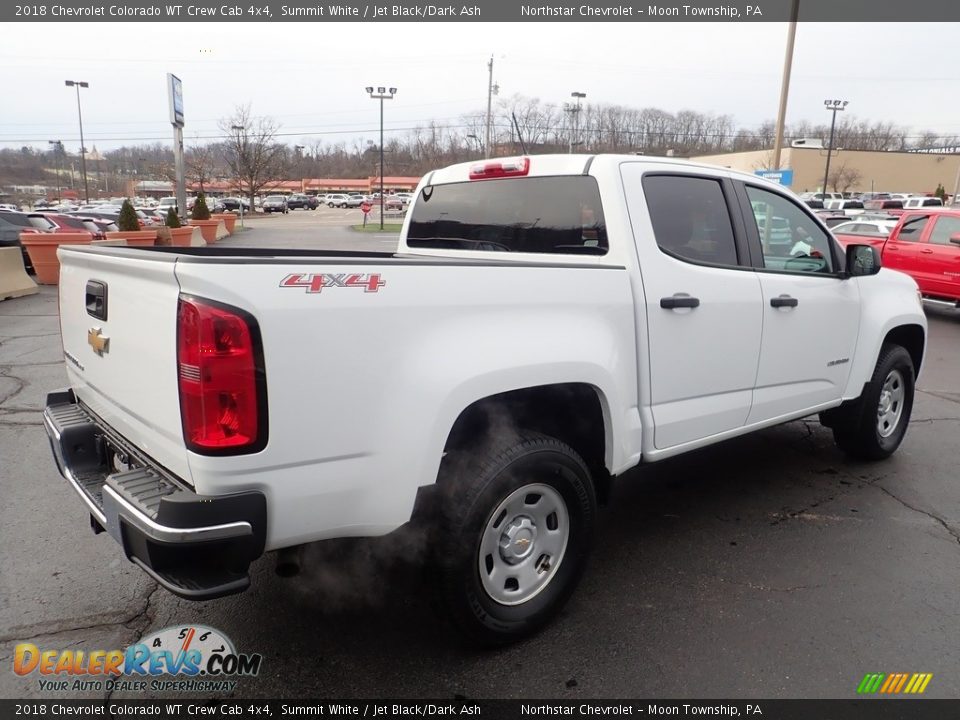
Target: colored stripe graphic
{"x": 870, "y": 683}
{"x": 894, "y": 683}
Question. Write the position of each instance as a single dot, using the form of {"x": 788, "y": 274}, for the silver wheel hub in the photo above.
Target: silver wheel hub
{"x": 518, "y": 540}
{"x": 890, "y": 407}
{"x": 523, "y": 544}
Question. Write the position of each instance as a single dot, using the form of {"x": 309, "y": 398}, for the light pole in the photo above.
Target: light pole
{"x": 834, "y": 106}
{"x": 239, "y": 129}
{"x": 575, "y": 111}
{"x": 57, "y": 150}
{"x": 381, "y": 95}
{"x": 298, "y": 149}
{"x": 83, "y": 151}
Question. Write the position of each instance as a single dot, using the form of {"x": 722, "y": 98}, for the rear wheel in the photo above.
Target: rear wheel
{"x": 874, "y": 427}
{"x": 516, "y": 529}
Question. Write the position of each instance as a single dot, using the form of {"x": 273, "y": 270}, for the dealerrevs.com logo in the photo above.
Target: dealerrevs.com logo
{"x": 181, "y": 657}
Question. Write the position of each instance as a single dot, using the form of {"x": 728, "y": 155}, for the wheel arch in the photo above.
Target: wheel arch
{"x": 575, "y": 413}
{"x": 912, "y": 338}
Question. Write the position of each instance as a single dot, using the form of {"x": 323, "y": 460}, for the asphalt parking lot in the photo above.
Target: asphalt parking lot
{"x": 766, "y": 567}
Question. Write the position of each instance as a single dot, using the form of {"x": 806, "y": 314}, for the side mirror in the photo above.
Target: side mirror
{"x": 955, "y": 239}
{"x": 862, "y": 260}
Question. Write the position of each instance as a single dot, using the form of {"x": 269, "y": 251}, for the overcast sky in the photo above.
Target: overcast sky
{"x": 310, "y": 77}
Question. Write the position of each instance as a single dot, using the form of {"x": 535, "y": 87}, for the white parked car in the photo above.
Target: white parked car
{"x": 912, "y": 203}
{"x": 549, "y": 323}
{"x": 865, "y": 227}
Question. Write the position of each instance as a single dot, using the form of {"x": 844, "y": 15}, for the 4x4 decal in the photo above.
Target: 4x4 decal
{"x": 314, "y": 283}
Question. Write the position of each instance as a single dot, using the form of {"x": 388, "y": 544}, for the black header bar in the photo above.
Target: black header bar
{"x": 480, "y": 11}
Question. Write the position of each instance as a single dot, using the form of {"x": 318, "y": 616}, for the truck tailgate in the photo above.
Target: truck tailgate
{"x": 121, "y": 354}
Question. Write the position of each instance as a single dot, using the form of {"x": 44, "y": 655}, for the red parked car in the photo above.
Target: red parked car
{"x": 55, "y": 222}
{"x": 925, "y": 244}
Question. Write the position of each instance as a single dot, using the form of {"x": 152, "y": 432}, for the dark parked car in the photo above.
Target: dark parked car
{"x": 232, "y": 204}
{"x": 12, "y": 223}
{"x": 313, "y": 202}
{"x": 299, "y": 201}
{"x": 275, "y": 203}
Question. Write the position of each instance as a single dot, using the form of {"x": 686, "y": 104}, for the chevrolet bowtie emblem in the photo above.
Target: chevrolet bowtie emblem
{"x": 98, "y": 341}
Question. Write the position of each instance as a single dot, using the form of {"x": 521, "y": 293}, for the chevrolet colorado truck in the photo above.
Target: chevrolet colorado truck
{"x": 548, "y": 323}
{"x": 924, "y": 244}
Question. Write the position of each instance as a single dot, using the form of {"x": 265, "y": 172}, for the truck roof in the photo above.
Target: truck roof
{"x": 570, "y": 164}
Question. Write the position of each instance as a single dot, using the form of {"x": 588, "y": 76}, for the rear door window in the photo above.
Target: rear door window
{"x": 552, "y": 215}
{"x": 691, "y": 219}
{"x": 945, "y": 229}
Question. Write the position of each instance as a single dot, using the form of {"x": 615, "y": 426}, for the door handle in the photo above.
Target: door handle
{"x": 679, "y": 300}
{"x": 926, "y": 251}
{"x": 784, "y": 301}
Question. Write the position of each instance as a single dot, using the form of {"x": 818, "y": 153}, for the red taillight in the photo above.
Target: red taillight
{"x": 222, "y": 395}
{"x": 508, "y": 167}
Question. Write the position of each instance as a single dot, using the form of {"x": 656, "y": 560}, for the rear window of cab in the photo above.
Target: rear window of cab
{"x": 552, "y": 215}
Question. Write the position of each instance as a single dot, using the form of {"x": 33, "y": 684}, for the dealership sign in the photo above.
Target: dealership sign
{"x": 784, "y": 177}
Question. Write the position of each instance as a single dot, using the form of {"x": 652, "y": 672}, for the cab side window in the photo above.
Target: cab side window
{"x": 790, "y": 239}
{"x": 912, "y": 229}
{"x": 690, "y": 219}
{"x": 945, "y": 228}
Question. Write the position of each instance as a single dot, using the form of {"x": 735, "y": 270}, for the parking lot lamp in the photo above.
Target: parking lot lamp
{"x": 57, "y": 151}
{"x": 834, "y": 106}
{"x": 381, "y": 94}
{"x": 239, "y": 129}
{"x": 83, "y": 151}
{"x": 298, "y": 149}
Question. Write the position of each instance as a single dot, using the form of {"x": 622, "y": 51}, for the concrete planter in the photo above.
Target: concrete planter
{"x": 229, "y": 219}
{"x": 177, "y": 237}
{"x": 42, "y": 249}
{"x": 135, "y": 238}
{"x": 208, "y": 228}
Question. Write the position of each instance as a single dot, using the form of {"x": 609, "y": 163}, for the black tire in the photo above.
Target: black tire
{"x": 858, "y": 430}
{"x": 473, "y": 484}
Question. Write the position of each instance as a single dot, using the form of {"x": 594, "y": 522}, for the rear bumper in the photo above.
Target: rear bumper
{"x": 198, "y": 547}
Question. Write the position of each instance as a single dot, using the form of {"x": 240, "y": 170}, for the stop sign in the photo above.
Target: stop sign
{"x": 366, "y": 207}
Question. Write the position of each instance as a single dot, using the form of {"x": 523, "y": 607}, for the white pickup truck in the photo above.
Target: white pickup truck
{"x": 548, "y": 323}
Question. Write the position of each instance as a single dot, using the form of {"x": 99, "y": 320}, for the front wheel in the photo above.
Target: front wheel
{"x": 874, "y": 428}
{"x": 516, "y": 530}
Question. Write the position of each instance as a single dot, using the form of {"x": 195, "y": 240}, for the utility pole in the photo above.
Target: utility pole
{"x": 574, "y": 109}
{"x": 491, "y": 91}
{"x": 785, "y": 84}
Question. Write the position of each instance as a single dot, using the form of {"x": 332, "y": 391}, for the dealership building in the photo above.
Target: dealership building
{"x": 852, "y": 170}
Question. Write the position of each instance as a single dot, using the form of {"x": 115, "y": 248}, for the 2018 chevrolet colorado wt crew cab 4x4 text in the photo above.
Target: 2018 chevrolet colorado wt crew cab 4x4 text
{"x": 549, "y": 323}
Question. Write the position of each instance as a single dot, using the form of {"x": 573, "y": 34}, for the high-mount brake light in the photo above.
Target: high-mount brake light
{"x": 507, "y": 167}
{"x": 220, "y": 377}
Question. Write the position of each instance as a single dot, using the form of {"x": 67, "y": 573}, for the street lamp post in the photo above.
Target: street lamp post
{"x": 239, "y": 129}
{"x": 57, "y": 150}
{"x": 834, "y": 106}
{"x": 575, "y": 111}
{"x": 298, "y": 149}
{"x": 83, "y": 151}
{"x": 381, "y": 94}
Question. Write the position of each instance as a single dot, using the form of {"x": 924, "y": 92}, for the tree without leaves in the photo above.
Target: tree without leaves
{"x": 253, "y": 155}
{"x": 200, "y": 164}
{"x": 843, "y": 178}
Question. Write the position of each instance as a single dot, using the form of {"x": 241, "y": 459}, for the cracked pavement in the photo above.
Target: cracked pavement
{"x": 768, "y": 566}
